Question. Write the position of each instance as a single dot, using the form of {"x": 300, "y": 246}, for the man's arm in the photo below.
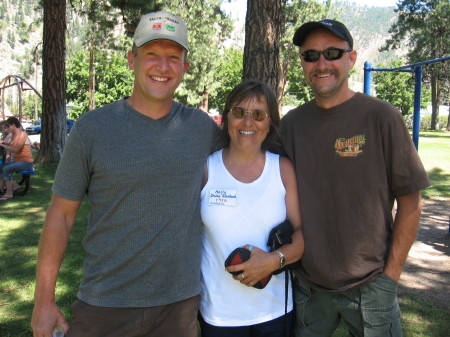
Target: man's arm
{"x": 406, "y": 224}
{"x": 55, "y": 236}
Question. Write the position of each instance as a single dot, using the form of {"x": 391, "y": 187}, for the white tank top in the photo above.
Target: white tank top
{"x": 235, "y": 214}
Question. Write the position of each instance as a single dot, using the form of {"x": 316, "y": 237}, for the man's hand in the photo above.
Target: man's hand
{"x": 45, "y": 318}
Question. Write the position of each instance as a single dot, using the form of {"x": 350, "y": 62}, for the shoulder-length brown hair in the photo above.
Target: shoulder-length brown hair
{"x": 257, "y": 90}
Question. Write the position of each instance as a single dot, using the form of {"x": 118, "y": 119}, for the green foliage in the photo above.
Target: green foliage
{"x": 2, "y": 10}
{"x": 368, "y": 25}
{"x": 27, "y": 8}
{"x": 11, "y": 39}
{"x": 131, "y": 11}
{"x": 77, "y": 27}
{"x": 425, "y": 122}
{"x": 397, "y": 89}
{"x": 113, "y": 80}
{"x": 208, "y": 27}
{"x": 228, "y": 76}
{"x": 18, "y": 18}
{"x": 29, "y": 101}
{"x": 100, "y": 22}
{"x": 23, "y": 31}
{"x": 425, "y": 26}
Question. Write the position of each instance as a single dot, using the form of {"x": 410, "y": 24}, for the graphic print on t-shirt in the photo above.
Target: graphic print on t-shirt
{"x": 351, "y": 147}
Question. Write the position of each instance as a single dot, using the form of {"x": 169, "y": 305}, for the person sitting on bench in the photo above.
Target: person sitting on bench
{"x": 21, "y": 155}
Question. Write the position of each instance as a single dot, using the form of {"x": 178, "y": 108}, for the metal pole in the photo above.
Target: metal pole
{"x": 367, "y": 77}
{"x": 417, "y": 94}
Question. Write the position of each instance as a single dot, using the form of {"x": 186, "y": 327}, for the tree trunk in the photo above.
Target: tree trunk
{"x": 262, "y": 61}
{"x": 448, "y": 119}
{"x": 91, "y": 80}
{"x": 54, "y": 128}
{"x": 435, "y": 102}
{"x": 203, "y": 104}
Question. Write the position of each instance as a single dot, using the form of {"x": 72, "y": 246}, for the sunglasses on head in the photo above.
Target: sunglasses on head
{"x": 330, "y": 54}
{"x": 240, "y": 112}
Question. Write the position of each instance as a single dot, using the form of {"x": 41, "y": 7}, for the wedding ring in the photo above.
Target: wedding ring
{"x": 242, "y": 276}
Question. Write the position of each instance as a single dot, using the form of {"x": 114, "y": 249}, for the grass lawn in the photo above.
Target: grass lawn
{"x": 21, "y": 221}
{"x": 434, "y": 150}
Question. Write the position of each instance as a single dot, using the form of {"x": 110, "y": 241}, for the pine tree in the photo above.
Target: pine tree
{"x": 263, "y": 25}
{"x": 425, "y": 25}
{"x": 53, "y": 134}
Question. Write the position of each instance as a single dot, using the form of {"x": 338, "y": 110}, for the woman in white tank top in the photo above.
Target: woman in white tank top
{"x": 247, "y": 191}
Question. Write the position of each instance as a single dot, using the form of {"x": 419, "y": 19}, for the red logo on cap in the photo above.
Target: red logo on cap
{"x": 156, "y": 26}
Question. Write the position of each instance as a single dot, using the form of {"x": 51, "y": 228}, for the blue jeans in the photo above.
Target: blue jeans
{"x": 273, "y": 328}
{"x": 370, "y": 310}
{"x": 7, "y": 170}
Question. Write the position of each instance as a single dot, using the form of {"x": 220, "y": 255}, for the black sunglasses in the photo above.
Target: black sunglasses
{"x": 240, "y": 112}
{"x": 330, "y": 54}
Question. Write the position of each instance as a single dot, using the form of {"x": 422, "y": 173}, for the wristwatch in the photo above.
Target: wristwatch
{"x": 282, "y": 258}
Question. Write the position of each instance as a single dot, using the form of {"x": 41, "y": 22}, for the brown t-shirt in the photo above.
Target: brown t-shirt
{"x": 351, "y": 162}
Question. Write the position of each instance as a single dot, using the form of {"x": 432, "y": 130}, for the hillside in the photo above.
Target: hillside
{"x": 20, "y": 32}
{"x": 369, "y": 27}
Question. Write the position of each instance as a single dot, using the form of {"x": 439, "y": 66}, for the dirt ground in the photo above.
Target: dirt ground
{"x": 427, "y": 269}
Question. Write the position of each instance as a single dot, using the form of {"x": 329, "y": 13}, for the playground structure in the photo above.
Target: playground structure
{"x": 415, "y": 68}
{"x": 21, "y": 84}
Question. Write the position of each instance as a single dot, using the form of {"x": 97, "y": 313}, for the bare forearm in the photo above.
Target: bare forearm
{"x": 58, "y": 224}
{"x": 294, "y": 250}
{"x": 405, "y": 229}
{"x": 52, "y": 246}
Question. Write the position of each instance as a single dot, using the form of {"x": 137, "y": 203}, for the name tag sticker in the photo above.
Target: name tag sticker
{"x": 220, "y": 197}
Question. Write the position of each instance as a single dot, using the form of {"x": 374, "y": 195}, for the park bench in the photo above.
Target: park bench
{"x": 24, "y": 183}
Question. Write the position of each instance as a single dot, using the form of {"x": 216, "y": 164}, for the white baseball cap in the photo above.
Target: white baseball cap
{"x": 161, "y": 26}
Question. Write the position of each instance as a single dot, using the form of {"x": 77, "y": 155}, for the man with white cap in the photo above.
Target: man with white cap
{"x": 353, "y": 158}
{"x": 141, "y": 273}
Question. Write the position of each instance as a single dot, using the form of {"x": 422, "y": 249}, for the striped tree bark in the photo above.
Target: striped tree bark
{"x": 262, "y": 60}
{"x": 54, "y": 128}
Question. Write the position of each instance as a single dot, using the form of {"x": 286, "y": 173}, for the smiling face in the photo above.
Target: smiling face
{"x": 247, "y": 133}
{"x": 159, "y": 67}
{"x": 329, "y": 79}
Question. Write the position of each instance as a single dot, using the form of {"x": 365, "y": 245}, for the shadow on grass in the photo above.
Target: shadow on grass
{"x": 434, "y": 134}
{"x": 441, "y": 184}
{"x": 423, "y": 319}
{"x": 22, "y": 219}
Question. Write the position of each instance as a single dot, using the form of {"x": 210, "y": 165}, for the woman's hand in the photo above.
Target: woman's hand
{"x": 260, "y": 265}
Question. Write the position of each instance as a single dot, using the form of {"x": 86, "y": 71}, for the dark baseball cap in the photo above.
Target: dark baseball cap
{"x": 335, "y": 27}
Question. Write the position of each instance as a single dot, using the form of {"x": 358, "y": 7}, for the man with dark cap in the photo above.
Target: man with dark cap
{"x": 353, "y": 158}
{"x": 141, "y": 273}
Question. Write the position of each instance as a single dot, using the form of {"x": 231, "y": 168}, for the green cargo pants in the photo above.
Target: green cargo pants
{"x": 370, "y": 310}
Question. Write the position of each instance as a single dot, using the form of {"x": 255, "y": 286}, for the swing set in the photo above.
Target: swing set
{"x": 21, "y": 84}
{"x": 416, "y": 69}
